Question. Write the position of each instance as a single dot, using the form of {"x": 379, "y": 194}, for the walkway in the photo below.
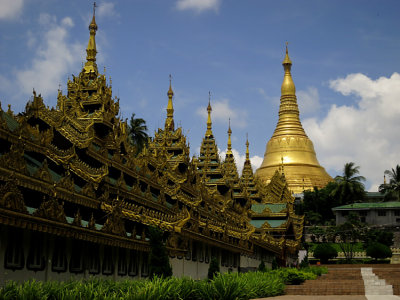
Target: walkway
{"x": 349, "y": 282}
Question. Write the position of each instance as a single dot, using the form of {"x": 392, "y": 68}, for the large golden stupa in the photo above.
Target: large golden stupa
{"x": 289, "y": 148}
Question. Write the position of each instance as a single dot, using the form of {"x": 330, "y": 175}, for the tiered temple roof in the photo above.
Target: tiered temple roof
{"x": 72, "y": 171}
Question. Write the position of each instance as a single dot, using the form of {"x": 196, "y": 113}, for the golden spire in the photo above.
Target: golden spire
{"x": 247, "y": 149}
{"x": 300, "y": 165}
{"x": 90, "y": 65}
{"x": 169, "y": 122}
{"x": 209, "y": 109}
{"x": 384, "y": 179}
{"x": 229, "y": 152}
{"x": 289, "y": 116}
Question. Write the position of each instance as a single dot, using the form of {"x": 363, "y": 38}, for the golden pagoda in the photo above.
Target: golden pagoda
{"x": 289, "y": 147}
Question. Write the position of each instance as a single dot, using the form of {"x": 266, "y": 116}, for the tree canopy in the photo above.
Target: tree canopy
{"x": 350, "y": 187}
{"x": 138, "y": 133}
{"x": 391, "y": 189}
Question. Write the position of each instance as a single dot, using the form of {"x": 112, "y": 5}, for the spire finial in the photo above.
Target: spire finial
{"x": 247, "y": 148}
{"x": 90, "y": 65}
{"x": 169, "y": 122}
{"x": 229, "y": 152}
{"x": 283, "y": 173}
{"x": 384, "y": 179}
{"x": 209, "y": 109}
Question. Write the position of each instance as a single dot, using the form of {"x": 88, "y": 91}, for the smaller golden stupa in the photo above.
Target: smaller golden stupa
{"x": 289, "y": 148}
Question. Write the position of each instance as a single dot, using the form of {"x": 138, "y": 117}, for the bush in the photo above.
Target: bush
{"x": 158, "y": 259}
{"x": 261, "y": 267}
{"x": 294, "y": 276}
{"x": 325, "y": 252}
{"x": 213, "y": 269}
{"x": 378, "y": 250}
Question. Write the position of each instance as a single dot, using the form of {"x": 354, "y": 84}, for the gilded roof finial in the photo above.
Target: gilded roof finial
{"x": 229, "y": 152}
{"x": 90, "y": 65}
{"x": 247, "y": 148}
{"x": 169, "y": 122}
{"x": 288, "y": 87}
{"x": 209, "y": 109}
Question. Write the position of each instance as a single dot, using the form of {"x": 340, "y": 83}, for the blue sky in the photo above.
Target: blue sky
{"x": 345, "y": 58}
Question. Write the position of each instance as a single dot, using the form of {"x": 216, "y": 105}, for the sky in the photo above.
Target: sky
{"x": 345, "y": 58}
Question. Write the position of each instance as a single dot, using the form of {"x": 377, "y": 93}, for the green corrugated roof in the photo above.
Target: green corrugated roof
{"x": 278, "y": 207}
{"x": 276, "y": 223}
{"x": 258, "y": 208}
{"x": 257, "y": 223}
{"x": 11, "y": 122}
{"x": 369, "y": 205}
{"x": 275, "y": 208}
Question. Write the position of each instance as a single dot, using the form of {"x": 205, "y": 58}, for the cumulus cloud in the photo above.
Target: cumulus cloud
{"x": 365, "y": 133}
{"x": 10, "y": 9}
{"x": 106, "y": 9}
{"x": 53, "y": 57}
{"x": 198, "y": 5}
{"x": 222, "y": 111}
{"x": 240, "y": 159}
{"x": 308, "y": 101}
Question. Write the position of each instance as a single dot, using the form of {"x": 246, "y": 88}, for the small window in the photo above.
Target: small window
{"x": 206, "y": 256}
{"x": 93, "y": 259}
{"x": 76, "y": 262}
{"x": 59, "y": 259}
{"x": 188, "y": 253}
{"x": 381, "y": 213}
{"x": 36, "y": 260}
{"x": 194, "y": 251}
{"x": 363, "y": 213}
{"x": 145, "y": 264}
{"x": 397, "y": 213}
{"x": 14, "y": 257}
{"x": 108, "y": 263}
{"x": 133, "y": 263}
{"x": 122, "y": 269}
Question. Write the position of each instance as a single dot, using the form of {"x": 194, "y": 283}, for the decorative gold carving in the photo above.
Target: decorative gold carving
{"x": 51, "y": 209}
{"x": 114, "y": 223}
{"x": 11, "y": 197}
{"x": 77, "y": 219}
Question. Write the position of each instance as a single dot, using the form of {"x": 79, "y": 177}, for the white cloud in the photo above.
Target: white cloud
{"x": 53, "y": 57}
{"x": 240, "y": 159}
{"x": 308, "y": 101}
{"x": 222, "y": 111}
{"x": 10, "y": 9}
{"x": 198, "y": 5}
{"x": 106, "y": 9}
{"x": 365, "y": 133}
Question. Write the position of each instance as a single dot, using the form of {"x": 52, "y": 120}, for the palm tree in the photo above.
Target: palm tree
{"x": 349, "y": 187}
{"x": 392, "y": 189}
{"x": 138, "y": 133}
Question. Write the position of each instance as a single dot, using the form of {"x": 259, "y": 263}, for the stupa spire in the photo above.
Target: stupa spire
{"x": 247, "y": 150}
{"x": 289, "y": 148}
{"x": 209, "y": 123}
{"x": 229, "y": 152}
{"x": 90, "y": 65}
{"x": 169, "y": 122}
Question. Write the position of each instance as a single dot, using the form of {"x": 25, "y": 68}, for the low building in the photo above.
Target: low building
{"x": 373, "y": 213}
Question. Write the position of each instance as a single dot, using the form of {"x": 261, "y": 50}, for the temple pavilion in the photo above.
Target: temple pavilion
{"x": 76, "y": 200}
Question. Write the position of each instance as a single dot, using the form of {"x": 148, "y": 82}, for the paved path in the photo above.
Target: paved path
{"x": 333, "y": 297}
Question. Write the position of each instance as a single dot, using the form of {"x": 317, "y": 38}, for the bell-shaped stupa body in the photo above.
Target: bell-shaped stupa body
{"x": 289, "y": 148}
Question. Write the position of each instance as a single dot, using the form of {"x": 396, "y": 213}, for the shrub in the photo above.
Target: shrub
{"x": 325, "y": 252}
{"x": 261, "y": 267}
{"x": 158, "y": 259}
{"x": 274, "y": 264}
{"x": 378, "y": 250}
{"x": 294, "y": 276}
{"x": 213, "y": 269}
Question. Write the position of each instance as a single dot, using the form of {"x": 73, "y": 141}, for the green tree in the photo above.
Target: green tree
{"x": 158, "y": 259}
{"x": 384, "y": 237}
{"x": 378, "y": 250}
{"x": 138, "y": 133}
{"x": 261, "y": 267}
{"x": 349, "y": 234}
{"x": 213, "y": 269}
{"x": 325, "y": 252}
{"x": 317, "y": 205}
{"x": 350, "y": 187}
{"x": 391, "y": 189}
